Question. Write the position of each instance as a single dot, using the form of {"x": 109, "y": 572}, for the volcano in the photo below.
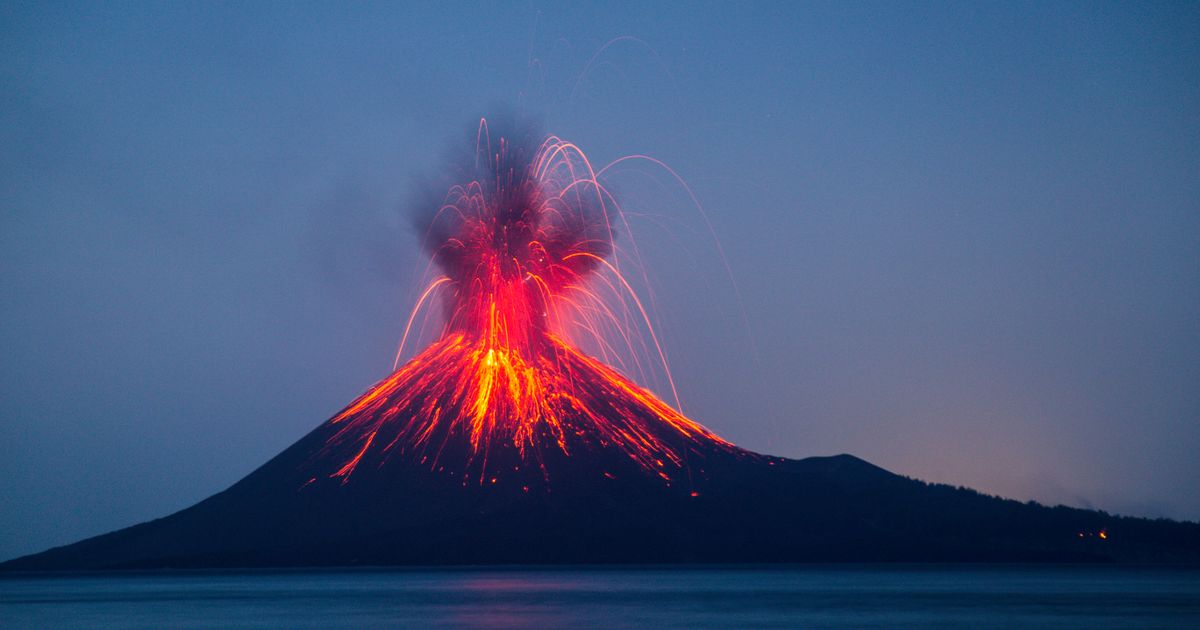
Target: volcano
{"x": 341, "y": 497}
{"x": 387, "y": 482}
{"x": 504, "y": 441}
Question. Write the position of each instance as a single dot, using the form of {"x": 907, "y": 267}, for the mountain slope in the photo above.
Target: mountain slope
{"x": 759, "y": 510}
{"x": 467, "y": 455}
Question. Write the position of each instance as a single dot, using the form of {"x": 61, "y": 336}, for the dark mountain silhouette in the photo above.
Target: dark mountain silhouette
{"x": 503, "y": 443}
{"x": 339, "y": 496}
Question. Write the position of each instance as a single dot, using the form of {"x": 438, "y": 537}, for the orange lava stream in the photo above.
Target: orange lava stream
{"x": 487, "y": 394}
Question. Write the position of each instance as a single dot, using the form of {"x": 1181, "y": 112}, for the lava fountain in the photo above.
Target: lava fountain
{"x": 520, "y": 252}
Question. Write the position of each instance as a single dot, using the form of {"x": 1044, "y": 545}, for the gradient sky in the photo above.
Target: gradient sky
{"x": 966, "y": 237}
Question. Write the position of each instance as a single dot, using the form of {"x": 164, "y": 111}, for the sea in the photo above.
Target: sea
{"x": 887, "y": 596}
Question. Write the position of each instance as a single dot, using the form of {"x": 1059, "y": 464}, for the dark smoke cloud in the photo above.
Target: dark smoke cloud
{"x": 533, "y": 222}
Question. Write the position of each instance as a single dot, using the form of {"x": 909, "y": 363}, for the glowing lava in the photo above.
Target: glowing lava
{"x": 523, "y": 251}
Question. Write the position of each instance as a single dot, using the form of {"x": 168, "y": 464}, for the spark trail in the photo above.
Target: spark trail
{"x": 523, "y": 248}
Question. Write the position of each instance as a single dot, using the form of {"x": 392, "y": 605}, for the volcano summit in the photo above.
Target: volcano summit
{"x": 504, "y": 441}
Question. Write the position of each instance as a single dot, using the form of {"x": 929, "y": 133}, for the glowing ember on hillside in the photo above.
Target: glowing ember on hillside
{"x": 523, "y": 250}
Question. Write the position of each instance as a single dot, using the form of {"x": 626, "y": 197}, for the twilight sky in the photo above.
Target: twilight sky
{"x": 966, "y": 237}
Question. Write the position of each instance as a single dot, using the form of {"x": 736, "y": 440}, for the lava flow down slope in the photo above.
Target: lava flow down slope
{"x": 518, "y": 436}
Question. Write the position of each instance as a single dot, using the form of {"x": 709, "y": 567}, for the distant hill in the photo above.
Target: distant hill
{"x": 472, "y": 455}
{"x": 747, "y": 510}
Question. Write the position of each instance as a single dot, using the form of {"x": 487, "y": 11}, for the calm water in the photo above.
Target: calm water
{"x": 606, "y": 598}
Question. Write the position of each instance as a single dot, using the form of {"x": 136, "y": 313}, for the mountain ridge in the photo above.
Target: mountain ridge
{"x": 818, "y": 509}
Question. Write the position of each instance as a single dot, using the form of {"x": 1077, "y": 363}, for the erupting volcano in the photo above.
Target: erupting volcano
{"x": 522, "y": 250}
{"x": 519, "y": 434}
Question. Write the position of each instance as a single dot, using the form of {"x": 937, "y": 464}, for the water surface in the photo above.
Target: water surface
{"x": 810, "y": 596}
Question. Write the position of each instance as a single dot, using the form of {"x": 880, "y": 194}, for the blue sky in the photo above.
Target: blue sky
{"x": 965, "y": 237}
